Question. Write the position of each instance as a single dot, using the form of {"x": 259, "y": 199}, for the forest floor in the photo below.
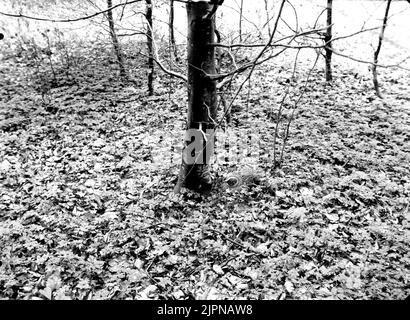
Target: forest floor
{"x": 86, "y": 214}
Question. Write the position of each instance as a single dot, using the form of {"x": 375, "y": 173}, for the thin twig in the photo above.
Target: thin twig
{"x": 67, "y": 20}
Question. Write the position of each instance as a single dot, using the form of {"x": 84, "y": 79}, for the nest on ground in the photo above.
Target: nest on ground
{"x": 248, "y": 177}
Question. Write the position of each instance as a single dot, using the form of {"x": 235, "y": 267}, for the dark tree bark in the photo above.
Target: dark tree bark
{"x": 171, "y": 30}
{"x": 115, "y": 42}
{"x": 377, "y": 52}
{"x": 148, "y": 15}
{"x": 202, "y": 99}
{"x": 328, "y": 39}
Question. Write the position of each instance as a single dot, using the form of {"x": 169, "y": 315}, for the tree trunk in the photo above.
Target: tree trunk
{"x": 376, "y": 53}
{"x": 328, "y": 43}
{"x": 240, "y": 21}
{"x": 148, "y": 15}
{"x": 267, "y": 16}
{"x": 115, "y": 41}
{"x": 171, "y": 30}
{"x": 202, "y": 99}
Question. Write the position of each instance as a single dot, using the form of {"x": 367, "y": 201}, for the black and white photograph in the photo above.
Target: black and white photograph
{"x": 220, "y": 150}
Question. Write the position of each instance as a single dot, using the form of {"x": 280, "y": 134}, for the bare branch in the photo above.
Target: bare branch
{"x": 280, "y": 110}
{"x": 292, "y": 116}
{"x": 398, "y": 65}
{"x": 160, "y": 64}
{"x": 68, "y": 20}
{"x": 297, "y": 35}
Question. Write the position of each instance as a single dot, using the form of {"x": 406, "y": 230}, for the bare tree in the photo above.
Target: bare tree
{"x": 328, "y": 41}
{"x": 172, "y": 43}
{"x": 148, "y": 15}
{"x": 267, "y": 16}
{"x": 115, "y": 42}
{"x": 198, "y": 147}
{"x": 240, "y": 20}
{"x": 377, "y": 51}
